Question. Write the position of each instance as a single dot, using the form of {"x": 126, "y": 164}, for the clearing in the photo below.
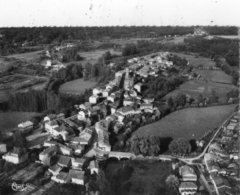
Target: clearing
{"x": 190, "y": 123}
{"x": 196, "y": 87}
{"x": 76, "y": 87}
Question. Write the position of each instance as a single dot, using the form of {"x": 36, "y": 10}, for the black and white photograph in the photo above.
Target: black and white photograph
{"x": 119, "y": 97}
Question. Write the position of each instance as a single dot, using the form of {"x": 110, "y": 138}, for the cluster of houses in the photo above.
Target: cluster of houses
{"x": 223, "y": 158}
{"x": 77, "y": 143}
{"x": 107, "y": 106}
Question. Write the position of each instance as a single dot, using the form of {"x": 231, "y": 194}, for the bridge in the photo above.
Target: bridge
{"x": 121, "y": 155}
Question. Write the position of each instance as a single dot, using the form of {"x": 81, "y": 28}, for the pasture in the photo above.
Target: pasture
{"x": 195, "y": 87}
{"x": 190, "y": 123}
{"x": 215, "y": 76}
{"x": 28, "y": 56}
{"x": 76, "y": 87}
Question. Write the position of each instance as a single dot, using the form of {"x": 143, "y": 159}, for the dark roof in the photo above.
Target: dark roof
{"x": 64, "y": 160}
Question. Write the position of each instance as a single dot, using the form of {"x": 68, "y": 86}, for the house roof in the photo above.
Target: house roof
{"x": 188, "y": 185}
{"x": 55, "y": 168}
{"x": 76, "y": 174}
{"x": 62, "y": 176}
{"x": 79, "y": 160}
{"x": 186, "y": 171}
{"x": 64, "y": 160}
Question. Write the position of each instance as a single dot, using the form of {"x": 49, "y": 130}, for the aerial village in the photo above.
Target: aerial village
{"x": 78, "y": 143}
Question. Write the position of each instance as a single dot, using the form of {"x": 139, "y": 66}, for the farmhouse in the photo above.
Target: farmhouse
{"x": 187, "y": 173}
{"x": 55, "y": 169}
{"x": 77, "y": 163}
{"x": 17, "y": 156}
{"x": 93, "y": 99}
{"x": 93, "y": 166}
{"x": 186, "y": 188}
{"x": 62, "y": 177}
{"x": 47, "y": 155}
{"x": 24, "y": 126}
{"x": 64, "y": 161}
{"x": 77, "y": 177}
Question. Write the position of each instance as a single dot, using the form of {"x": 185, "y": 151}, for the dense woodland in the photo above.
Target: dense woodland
{"x": 13, "y": 38}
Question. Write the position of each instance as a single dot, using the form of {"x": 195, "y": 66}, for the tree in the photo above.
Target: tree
{"x": 170, "y": 102}
{"x": 181, "y": 99}
{"x": 214, "y": 98}
{"x": 145, "y": 145}
{"x": 180, "y": 146}
{"x": 172, "y": 182}
{"x": 200, "y": 99}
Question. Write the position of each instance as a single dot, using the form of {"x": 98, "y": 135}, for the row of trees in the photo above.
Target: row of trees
{"x": 151, "y": 145}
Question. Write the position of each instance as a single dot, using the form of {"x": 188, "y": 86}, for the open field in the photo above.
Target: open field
{"x": 195, "y": 61}
{"x": 138, "y": 177}
{"x": 77, "y": 86}
{"x": 28, "y": 56}
{"x": 190, "y": 123}
{"x": 215, "y": 76}
{"x": 93, "y": 56}
{"x": 214, "y": 80}
{"x": 196, "y": 87}
{"x": 10, "y": 120}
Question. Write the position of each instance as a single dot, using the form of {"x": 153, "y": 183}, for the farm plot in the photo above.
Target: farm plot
{"x": 191, "y": 123}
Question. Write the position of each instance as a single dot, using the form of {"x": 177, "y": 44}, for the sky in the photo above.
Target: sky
{"x": 118, "y": 12}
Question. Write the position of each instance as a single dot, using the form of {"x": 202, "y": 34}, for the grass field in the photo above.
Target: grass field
{"x": 189, "y": 123}
{"x": 195, "y": 61}
{"x": 215, "y": 80}
{"x": 10, "y": 120}
{"x": 215, "y": 76}
{"x": 77, "y": 86}
{"x": 144, "y": 177}
{"x": 93, "y": 56}
{"x": 28, "y": 56}
{"x": 196, "y": 87}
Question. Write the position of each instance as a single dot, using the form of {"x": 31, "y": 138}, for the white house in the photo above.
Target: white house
{"x": 17, "y": 156}
{"x": 93, "y": 99}
{"x": 97, "y": 91}
{"x": 65, "y": 150}
{"x": 93, "y": 166}
{"x": 102, "y": 125}
{"x": 62, "y": 177}
{"x": 138, "y": 87}
{"x": 46, "y": 155}
{"x": 187, "y": 188}
{"x": 55, "y": 169}
{"x": 81, "y": 115}
{"x": 50, "y": 126}
{"x": 77, "y": 163}
{"x": 187, "y": 173}
{"x": 25, "y": 125}
{"x": 77, "y": 177}
{"x": 103, "y": 141}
